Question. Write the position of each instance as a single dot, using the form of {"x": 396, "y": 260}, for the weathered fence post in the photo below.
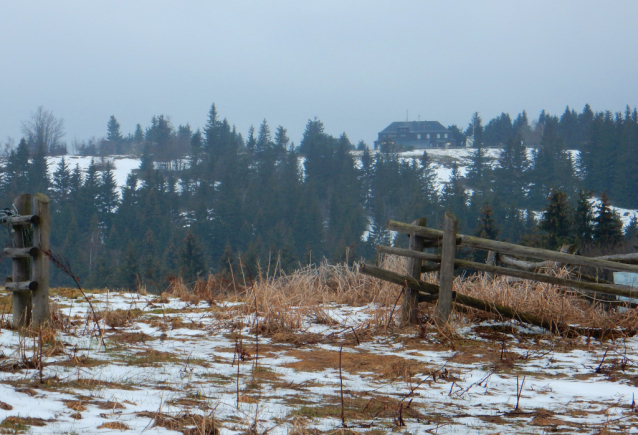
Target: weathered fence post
{"x": 448, "y": 252}
{"x": 490, "y": 261}
{"x": 410, "y": 296}
{"x": 40, "y": 270}
{"x": 20, "y": 268}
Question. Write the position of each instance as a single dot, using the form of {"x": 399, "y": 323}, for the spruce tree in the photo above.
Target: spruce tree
{"x": 138, "y": 136}
{"x": 479, "y": 171}
{"x": 108, "y": 198}
{"x": 129, "y": 269}
{"x": 190, "y": 258}
{"x": 15, "y": 179}
{"x": 487, "y": 228}
{"x": 454, "y": 198}
{"x": 556, "y": 220}
{"x": 38, "y": 172}
{"x": 511, "y": 174}
{"x": 607, "y": 224}
{"x": 631, "y": 231}
{"x": 61, "y": 183}
{"x": 583, "y": 217}
{"x": 113, "y": 133}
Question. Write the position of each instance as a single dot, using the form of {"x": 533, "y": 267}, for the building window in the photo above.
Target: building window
{"x": 438, "y": 135}
{"x": 446, "y": 135}
{"x": 427, "y": 136}
{"x": 418, "y": 136}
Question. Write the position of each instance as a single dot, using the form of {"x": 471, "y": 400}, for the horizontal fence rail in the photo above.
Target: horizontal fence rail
{"x": 611, "y": 289}
{"x": 509, "y": 248}
{"x": 417, "y": 290}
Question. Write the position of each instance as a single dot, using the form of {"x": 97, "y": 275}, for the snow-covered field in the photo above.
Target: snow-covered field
{"x": 170, "y": 364}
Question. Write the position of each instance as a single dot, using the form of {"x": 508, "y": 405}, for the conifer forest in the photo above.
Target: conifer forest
{"x": 217, "y": 200}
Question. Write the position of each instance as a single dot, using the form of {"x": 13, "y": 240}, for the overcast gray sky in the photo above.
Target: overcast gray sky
{"x": 356, "y": 65}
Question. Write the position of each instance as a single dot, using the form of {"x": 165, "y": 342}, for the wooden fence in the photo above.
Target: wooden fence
{"x": 29, "y": 224}
{"x": 447, "y": 239}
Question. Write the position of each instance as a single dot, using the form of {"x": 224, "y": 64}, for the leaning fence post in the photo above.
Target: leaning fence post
{"x": 40, "y": 270}
{"x": 410, "y": 297}
{"x": 20, "y": 268}
{"x": 444, "y": 304}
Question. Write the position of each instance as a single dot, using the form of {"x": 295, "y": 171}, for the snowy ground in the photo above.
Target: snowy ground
{"x": 174, "y": 362}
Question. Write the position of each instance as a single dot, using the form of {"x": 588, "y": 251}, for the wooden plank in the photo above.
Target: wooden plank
{"x": 20, "y": 268}
{"x": 21, "y": 286}
{"x": 533, "y": 265}
{"x": 40, "y": 268}
{"x": 622, "y": 258}
{"x": 611, "y": 289}
{"x": 446, "y": 275}
{"x": 511, "y": 249}
{"x": 22, "y": 220}
{"x": 410, "y": 307}
{"x": 396, "y": 278}
{"x": 490, "y": 261}
{"x": 21, "y": 252}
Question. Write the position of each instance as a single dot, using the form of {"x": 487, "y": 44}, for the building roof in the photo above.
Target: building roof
{"x": 416, "y": 127}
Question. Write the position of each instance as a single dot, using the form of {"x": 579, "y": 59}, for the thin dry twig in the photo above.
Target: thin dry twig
{"x": 63, "y": 264}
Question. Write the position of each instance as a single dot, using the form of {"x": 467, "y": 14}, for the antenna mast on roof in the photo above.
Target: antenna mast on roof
{"x": 407, "y": 117}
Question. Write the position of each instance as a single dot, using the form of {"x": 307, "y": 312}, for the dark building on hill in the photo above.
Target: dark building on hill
{"x": 417, "y": 135}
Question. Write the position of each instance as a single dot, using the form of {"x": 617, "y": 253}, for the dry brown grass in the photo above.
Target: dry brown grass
{"x": 184, "y": 422}
{"x": 558, "y": 304}
{"x": 285, "y": 301}
{"x": 117, "y": 425}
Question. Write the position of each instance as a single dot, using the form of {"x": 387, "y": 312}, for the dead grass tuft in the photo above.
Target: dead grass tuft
{"x": 186, "y": 423}
{"x": 21, "y": 424}
{"x": 75, "y": 405}
{"x": 117, "y": 425}
{"x": 553, "y": 303}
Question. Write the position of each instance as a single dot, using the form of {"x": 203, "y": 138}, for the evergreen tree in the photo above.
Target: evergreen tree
{"x": 15, "y": 179}
{"x": 499, "y": 130}
{"x": 113, "y": 133}
{"x": 521, "y": 127}
{"x": 454, "y": 198}
{"x": 138, "y": 136}
{"x": 61, "y": 183}
{"x": 281, "y": 140}
{"x": 128, "y": 270}
{"x": 607, "y": 224}
{"x": 511, "y": 174}
{"x": 556, "y": 220}
{"x": 479, "y": 172}
{"x": 487, "y": 228}
{"x": 191, "y": 262}
{"x": 631, "y": 231}
{"x": 583, "y": 217}
{"x": 552, "y": 167}
{"x": 108, "y": 198}
{"x": 38, "y": 172}
{"x": 475, "y": 129}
